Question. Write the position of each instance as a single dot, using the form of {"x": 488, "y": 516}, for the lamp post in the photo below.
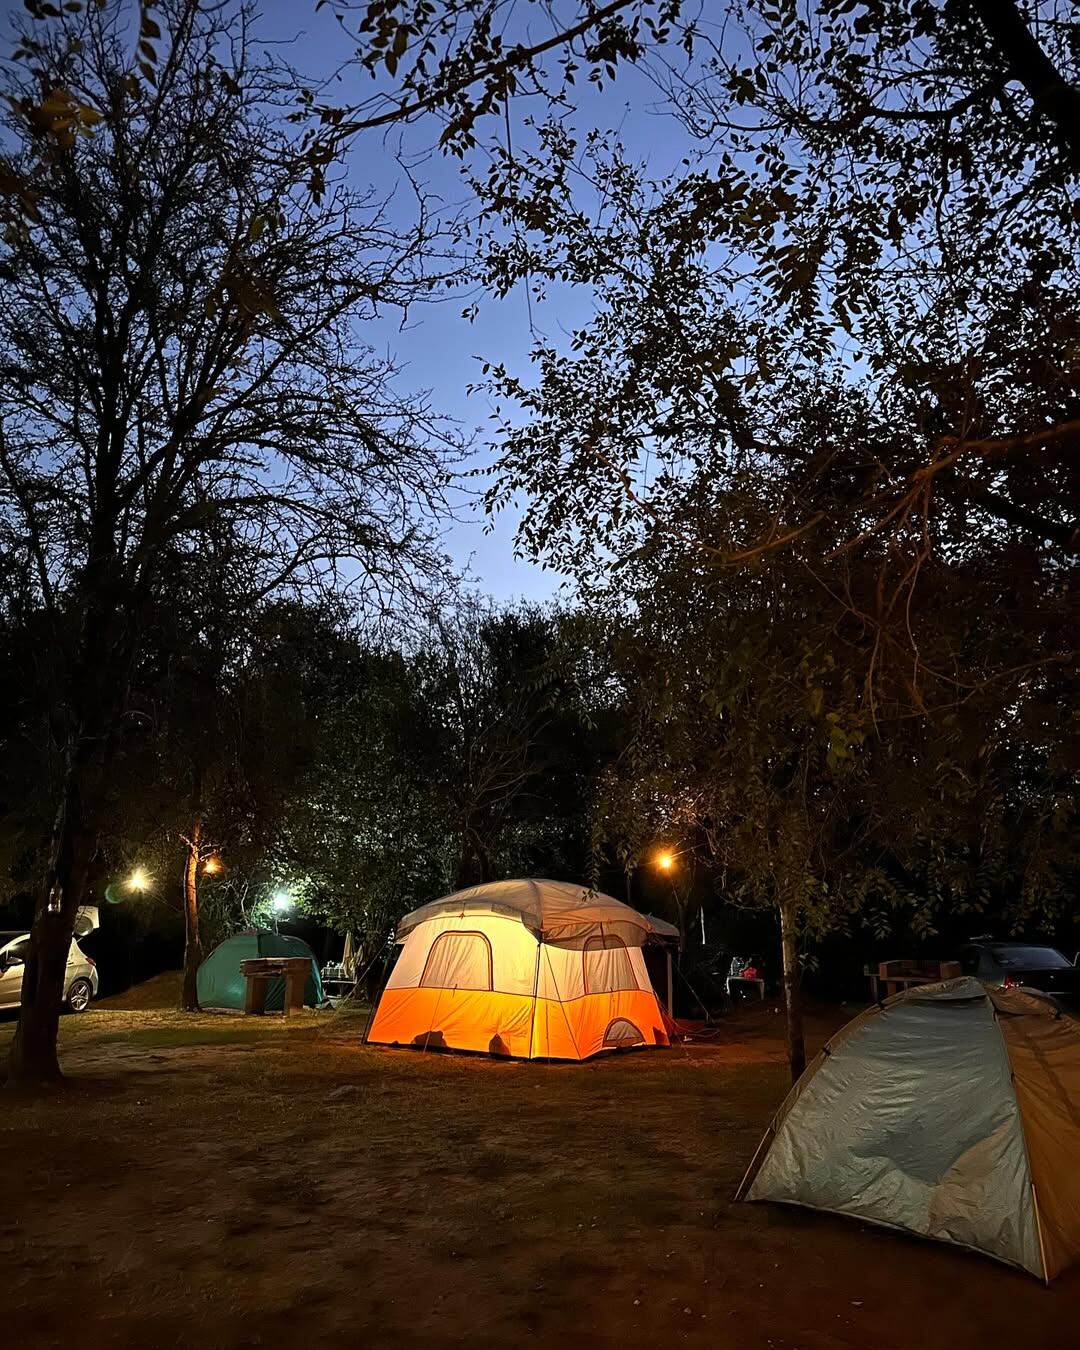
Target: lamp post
{"x": 665, "y": 859}
{"x": 199, "y": 859}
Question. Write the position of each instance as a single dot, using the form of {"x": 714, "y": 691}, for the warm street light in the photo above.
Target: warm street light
{"x": 139, "y": 881}
{"x": 665, "y": 860}
{"x": 211, "y": 866}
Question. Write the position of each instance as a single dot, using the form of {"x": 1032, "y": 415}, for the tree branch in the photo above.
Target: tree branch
{"x": 513, "y": 59}
{"x": 1053, "y": 96}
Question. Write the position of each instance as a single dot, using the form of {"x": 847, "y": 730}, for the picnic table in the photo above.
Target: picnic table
{"x": 337, "y": 988}
{"x": 893, "y": 976}
{"x": 741, "y": 985}
{"x": 260, "y": 970}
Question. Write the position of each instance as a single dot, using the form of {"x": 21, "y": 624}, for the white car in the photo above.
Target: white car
{"x": 80, "y": 977}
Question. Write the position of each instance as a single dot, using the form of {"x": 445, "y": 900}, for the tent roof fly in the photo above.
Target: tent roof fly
{"x": 558, "y": 911}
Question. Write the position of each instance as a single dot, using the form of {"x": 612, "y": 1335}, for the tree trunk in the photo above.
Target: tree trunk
{"x": 32, "y": 1059}
{"x": 193, "y": 952}
{"x": 1022, "y": 54}
{"x": 474, "y": 865}
{"x": 796, "y": 1044}
{"x": 487, "y": 872}
{"x": 682, "y": 919}
{"x": 97, "y": 690}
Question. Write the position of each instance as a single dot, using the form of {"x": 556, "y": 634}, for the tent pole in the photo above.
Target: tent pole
{"x": 1038, "y": 1230}
{"x": 434, "y": 1015}
{"x": 751, "y": 1171}
{"x": 1023, "y": 1132}
{"x": 670, "y": 987}
{"x": 566, "y": 1019}
{"x": 536, "y": 986}
{"x": 382, "y": 990}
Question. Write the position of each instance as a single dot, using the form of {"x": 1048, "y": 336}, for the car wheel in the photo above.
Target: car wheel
{"x": 79, "y": 995}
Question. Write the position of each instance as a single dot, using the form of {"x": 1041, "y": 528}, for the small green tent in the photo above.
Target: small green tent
{"x": 222, "y": 986}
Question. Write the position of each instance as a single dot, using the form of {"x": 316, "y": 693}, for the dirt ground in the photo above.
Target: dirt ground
{"x": 227, "y": 1182}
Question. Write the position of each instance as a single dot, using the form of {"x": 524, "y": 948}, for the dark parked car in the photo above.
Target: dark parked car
{"x": 1013, "y": 963}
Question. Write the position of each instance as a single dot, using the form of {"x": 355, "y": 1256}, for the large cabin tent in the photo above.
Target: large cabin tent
{"x": 950, "y": 1110}
{"x": 532, "y": 969}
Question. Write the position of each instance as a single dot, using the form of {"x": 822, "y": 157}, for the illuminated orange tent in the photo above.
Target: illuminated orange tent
{"x": 532, "y": 969}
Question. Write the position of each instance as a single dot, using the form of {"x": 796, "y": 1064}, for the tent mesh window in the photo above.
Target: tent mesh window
{"x": 622, "y": 1033}
{"x": 607, "y": 965}
{"x": 458, "y": 961}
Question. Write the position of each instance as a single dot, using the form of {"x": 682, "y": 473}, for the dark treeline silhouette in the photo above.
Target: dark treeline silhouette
{"x": 360, "y": 778}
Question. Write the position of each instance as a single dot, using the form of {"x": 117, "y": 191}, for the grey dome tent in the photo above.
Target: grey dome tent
{"x": 951, "y": 1111}
{"x": 221, "y": 984}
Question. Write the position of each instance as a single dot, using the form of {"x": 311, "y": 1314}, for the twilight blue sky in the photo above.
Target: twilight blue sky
{"x": 440, "y": 351}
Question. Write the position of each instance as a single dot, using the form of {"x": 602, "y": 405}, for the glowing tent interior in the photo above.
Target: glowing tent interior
{"x": 532, "y": 969}
{"x": 952, "y": 1111}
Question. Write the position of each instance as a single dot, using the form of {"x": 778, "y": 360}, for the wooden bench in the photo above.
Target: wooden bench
{"x": 260, "y": 970}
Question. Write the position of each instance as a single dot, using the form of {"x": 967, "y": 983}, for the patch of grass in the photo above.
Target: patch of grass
{"x": 161, "y": 992}
{"x": 167, "y": 1038}
{"x": 229, "y": 1182}
{"x": 352, "y": 1010}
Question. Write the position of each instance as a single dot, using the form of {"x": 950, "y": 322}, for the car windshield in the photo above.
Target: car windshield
{"x": 1030, "y": 958}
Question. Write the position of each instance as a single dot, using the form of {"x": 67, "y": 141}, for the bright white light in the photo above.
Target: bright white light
{"x": 139, "y": 881}
{"x": 281, "y": 900}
